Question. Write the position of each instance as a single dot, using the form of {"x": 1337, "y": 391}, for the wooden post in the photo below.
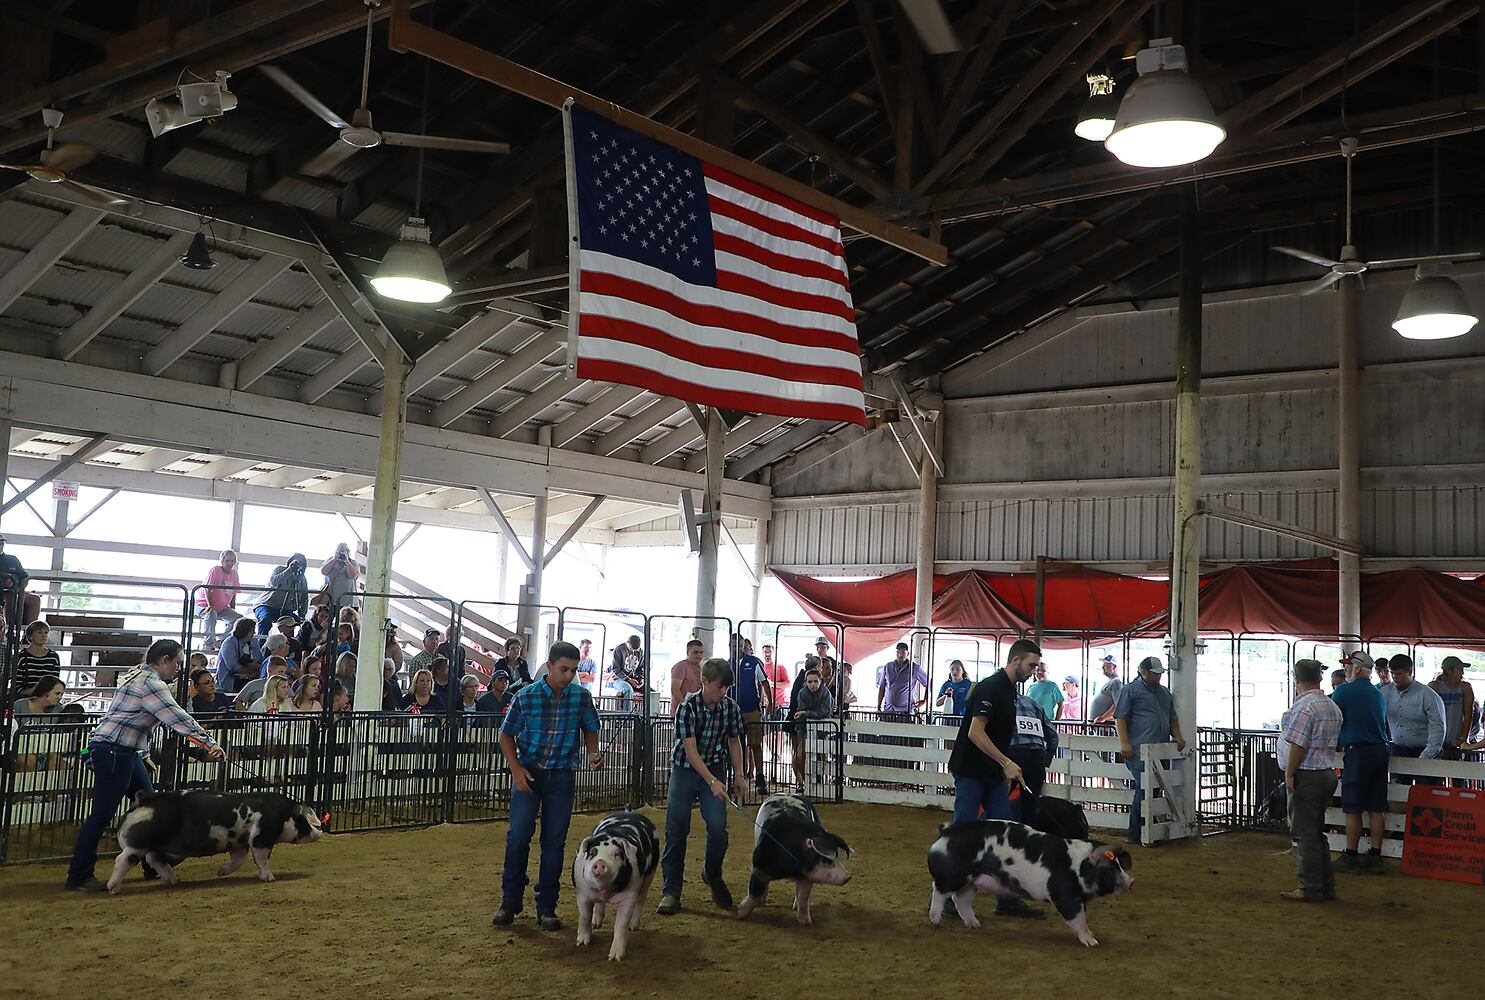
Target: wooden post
{"x": 386, "y": 495}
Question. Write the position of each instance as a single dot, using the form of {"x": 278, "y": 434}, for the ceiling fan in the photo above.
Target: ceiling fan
{"x": 359, "y": 133}
{"x": 1350, "y": 263}
{"x": 57, "y": 163}
{"x": 932, "y": 25}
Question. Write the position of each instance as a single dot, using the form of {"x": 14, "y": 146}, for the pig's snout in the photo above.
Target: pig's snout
{"x": 835, "y": 875}
{"x": 599, "y": 869}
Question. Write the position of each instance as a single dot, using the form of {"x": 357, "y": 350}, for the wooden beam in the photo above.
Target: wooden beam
{"x": 1274, "y": 526}
{"x": 778, "y": 448}
{"x": 878, "y": 56}
{"x": 518, "y": 414}
{"x": 509, "y": 532}
{"x": 91, "y": 448}
{"x": 506, "y": 371}
{"x": 571, "y": 426}
{"x": 739, "y": 437}
{"x": 60, "y": 23}
{"x": 409, "y": 35}
{"x": 276, "y": 349}
{"x": 257, "y": 276}
{"x": 650, "y": 417}
{"x": 572, "y": 529}
{"x": 121, "y": 297}
{"x": 970, "y": 78}
{"x": 48, "y": 250}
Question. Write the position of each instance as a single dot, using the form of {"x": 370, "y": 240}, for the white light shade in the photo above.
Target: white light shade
{"x": 1164, "y": 121}
{"x": 1096, "y": 120}
{"x": 1434, "y": 308}
{"x": 412, "y": 271}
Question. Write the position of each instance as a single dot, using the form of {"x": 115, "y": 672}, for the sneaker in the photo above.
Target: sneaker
{"x": 669, "y": 906}
{"x": 506, "y": 914}
{"x": 721, "y": 895}
{"x": 1348, "y": 862}
{"x": 89, "y": 884}
{"x": 548, "y": 922}
{"x": 1372, "y": 865}
{"x": 1299, "y": 896}
{"x": 1018, "y": 908}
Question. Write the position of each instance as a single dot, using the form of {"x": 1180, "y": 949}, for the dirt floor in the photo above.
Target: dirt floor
{"x": 406, "y": 914}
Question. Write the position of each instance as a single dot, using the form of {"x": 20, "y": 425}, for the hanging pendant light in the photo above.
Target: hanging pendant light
{"x": 1434, "y": 307}
{"x": 412, "y": 270}
{"x": 1096, "y": 120}
{"x": 1165, "y": 120}
{"x": 198, "y": 255}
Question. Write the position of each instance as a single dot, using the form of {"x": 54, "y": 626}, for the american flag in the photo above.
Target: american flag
{"x": 699, "y": 284}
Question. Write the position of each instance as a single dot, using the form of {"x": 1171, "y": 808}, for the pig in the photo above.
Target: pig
{"x": 614, "y": 867}
{"x": 1007, "y": 858}
{"x": 789, "y": 842}
{"x": 164, "y": 827}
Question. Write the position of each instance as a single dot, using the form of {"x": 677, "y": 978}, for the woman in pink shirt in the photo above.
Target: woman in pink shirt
{"x": 214, "y": 601}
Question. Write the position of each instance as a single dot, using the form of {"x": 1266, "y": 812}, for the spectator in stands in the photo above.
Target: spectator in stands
{"x": 340, "y": 696}
{"x": 345, "y": 671}
{"x": 587, "y": 669}
{"x": 207, "y": 700}
{"x": 1072, "y": 699}
{"x": 456, "y": 654}
{"x": 847, "y": 696}
{"x": 421, "y": 699}
{"x": 514, "y": 663}
{"x": 1102, "y": 707}
{"x": 215, "y": 602}
{"x": 276, "y": 666}
{"x": 345, "y": 638}
{"x": 1145, "y": 713}
{"x": 898, "y": 685}
{"x": 777, "y": 676}
{"x": 813, "y": 702}
{"x": 277, "y": 644}
{"x": 1459, "y": 705}
{"x": 340, "y": 573}
{"x": 393, "y": 650}
{"x": 440, "y": 672}
{"x": 1337, "y": 678}
{"x": 469, "y": 694}
{"x": 822, "y": 653}
{"x": 423, "y": 660}
{"x": 629, "y": 662}
{"x": 1046, "y": 693}
{"x": 13, "y": 580}
{"x": 307, "y": 698}
{"x": 952, "y": 693}
{"x": 287, "y": 593}
{"x": 1383, "y": 672}
{"x": 621, "y": 691}
{"x": 275, "y": 697}
{"x": 237, "y": 660}
{"x": 685, "y": 675}
{"x": 1415, "y": 714}
{"x": 498, "y": 699}
{"x": 1363, "y": 741}
{"x": 288, "y": 627}
{"x": 1311, "y": 732}
{"x": 391, "y": 686}
{"x": 353, "y": 617}
{"x": 312, "y": 665}
{"x": 312, "y": 633}
{"x": 750, "y": 692}
{"x": 45, "y": 699}
{"x": 35, "y": 660}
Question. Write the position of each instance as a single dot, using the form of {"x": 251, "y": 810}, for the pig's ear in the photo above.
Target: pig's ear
{"x": 583, "y": 848}
{"x": 1125, "y": 860}
{"x": 809, "y": 842}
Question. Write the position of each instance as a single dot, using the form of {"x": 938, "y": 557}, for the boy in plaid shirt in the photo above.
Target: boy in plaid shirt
{"x": 708, "y": 729}
{"x": 542, "y": 739}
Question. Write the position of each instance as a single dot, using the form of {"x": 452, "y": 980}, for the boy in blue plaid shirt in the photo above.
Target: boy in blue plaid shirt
{"x": 542, "y": 737}
{"x": 708, "y": 729}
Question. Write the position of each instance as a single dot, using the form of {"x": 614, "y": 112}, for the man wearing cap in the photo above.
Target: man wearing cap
{"x": 1144, "y": 713}
{"x": 424, "y": 658}
{"x": 496, "y": 700}
{"x": 1102, "y": 708}
{"x": 1459, "y": 705}
{"x": 1415, "y": 714}
{"x": 898, "y": 686}
{"x": 1311, "y": 729}
{"x": 822, "y": 650}
{"x": 1364, "y": 762}
{"x": 1072, "y": 699}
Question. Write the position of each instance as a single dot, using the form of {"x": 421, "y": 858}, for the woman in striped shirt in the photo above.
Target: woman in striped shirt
{"x": 35, "y": 661}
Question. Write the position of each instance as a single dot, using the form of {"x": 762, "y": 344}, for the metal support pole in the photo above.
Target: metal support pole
{"x": 711, "y": 520}
{"x": 927, "y": 536}
{"x": 760, "y": 567}
{"x": 502, "y": 567}
{"x": 6, "y": 426}
{"x": 237, "y": 510}
{"x": 384, "y": 500}
{"x": 1185, "y": 561}
{"x": 59, "y": 551}
{"x": 529, "y": 618}
{"x": 1348, "y": 496}
{"x": 1039, "y": 608}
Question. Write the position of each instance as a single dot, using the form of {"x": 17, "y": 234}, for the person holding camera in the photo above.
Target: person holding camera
{"x": 340, "y": 573}
{"x": 287, "y": 594}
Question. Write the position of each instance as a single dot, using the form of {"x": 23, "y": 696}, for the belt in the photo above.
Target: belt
{"x": 1352, "y": 746}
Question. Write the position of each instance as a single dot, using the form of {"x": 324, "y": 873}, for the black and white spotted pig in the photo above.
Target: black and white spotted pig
{"x": 789, "y": 842}
{"x": 614, "y": 867}
{"x": 168, "y": 826}
{"x": 1005, "y": 858}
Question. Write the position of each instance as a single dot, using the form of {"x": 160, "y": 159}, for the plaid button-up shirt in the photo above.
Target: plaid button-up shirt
{"x": 712, "y": 728}
{"x": 1314, "y": 723}
{"x": 547, "y": 726}
{"x": 142, "y": 702}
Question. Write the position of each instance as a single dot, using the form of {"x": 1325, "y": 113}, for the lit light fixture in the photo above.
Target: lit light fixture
{"x": 198, "y": 256}
{"x": 1165, "y": 120}
{"x": 412, "y": 270}
{"x": 1435, "y": 307}
{"x": 1096, "y": 120}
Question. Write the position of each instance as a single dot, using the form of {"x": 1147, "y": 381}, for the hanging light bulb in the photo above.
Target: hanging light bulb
{"x": 198, "y": 255}
{"x": 1165, "y": 120}
{"x": 1096, "y": 120}
{"x": 412, "y": 270}
{"x": 1434, "y": 306}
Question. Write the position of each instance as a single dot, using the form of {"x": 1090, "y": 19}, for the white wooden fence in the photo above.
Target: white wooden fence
{"x": 1084, "y": 771}
{"x": 1397, "y": 800}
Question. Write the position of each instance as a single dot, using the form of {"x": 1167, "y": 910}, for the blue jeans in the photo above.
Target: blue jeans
{"x": 685, "y": 788}
{"x": 118, "y": 773}
{"x": 551, "y": 796}
{"x": 266, "y": 618}
{"x": 1136, "y": 808}
{"x": 971, "y": 795}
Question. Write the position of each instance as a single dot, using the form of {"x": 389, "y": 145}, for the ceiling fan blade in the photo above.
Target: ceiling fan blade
{"x": 443, "y": 142}
{"x": 295, "y": 90}
{"x": 69, "y": 156}
{"x": 97, "y": 195}
{"x": 1437, "y": 258}
{"x": 932, "y": 25}
{"x": 1321, "y": 284}
{"x": 16, "y": 166}
{"x": 1313, "y": 258}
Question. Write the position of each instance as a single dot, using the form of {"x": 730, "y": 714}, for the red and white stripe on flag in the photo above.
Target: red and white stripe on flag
{"x": 695, "y": 283}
